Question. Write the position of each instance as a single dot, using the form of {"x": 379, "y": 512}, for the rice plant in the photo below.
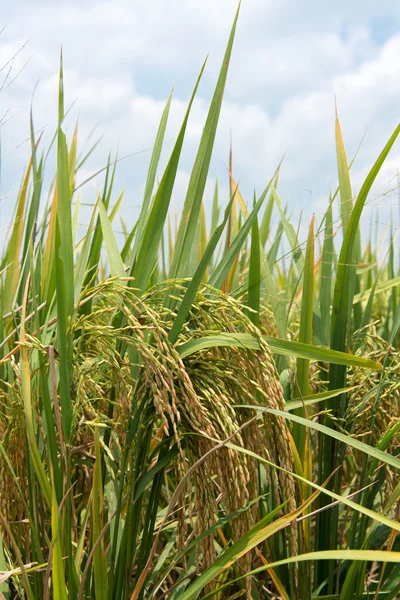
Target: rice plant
{"x": 185, "y": 415}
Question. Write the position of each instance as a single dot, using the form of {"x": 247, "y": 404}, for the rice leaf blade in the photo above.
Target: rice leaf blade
{"x": 194, "y": 196}
{"x": 147, "y": 252}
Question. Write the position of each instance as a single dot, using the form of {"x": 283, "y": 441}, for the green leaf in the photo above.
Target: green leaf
{"x": 346, "y": 196}
{"x": 253, "y": 296}
{"x": 114, "y": 258}
{"x": 81, "y": 263}
{"x": 97, "y": 239}
{"x": 14, "y": 246}
{"x": 222, "y": 269}
{"x": 371, "y": 556}
{"x": 57, "y": 571}
{"x": 147, "y": 252}
{"x": 198, "y": 178}
{"x": 291, "y": 234}
{"x": 278, "y": 346}
{"x": 306, "y": 313}
{"x": 315, "y": 398}
{"x": 28, "y": 411}
{"x": 151, "y": 177}
{"x": 325, "y": 290}
{"x": 342, "y": 300}
{"x": 377, "y": 288}
{"x": 64, "y": 269}
{"x": 99, "y": 556}
{"x": 198, "y": 276}
{"x": 4, "y": 589}
{"x": 265, "y": 224}
{"x": 341, "y": 437}
{"x": 215, "y": 208}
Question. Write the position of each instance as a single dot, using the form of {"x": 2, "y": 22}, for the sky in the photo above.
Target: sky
{"x": 290, "y": 61}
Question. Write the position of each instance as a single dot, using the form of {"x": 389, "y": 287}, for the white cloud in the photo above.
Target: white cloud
{"x": 289, "y": 62}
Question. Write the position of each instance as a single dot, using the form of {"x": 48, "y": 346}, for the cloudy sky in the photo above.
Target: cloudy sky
{"x": 290, "y": 60}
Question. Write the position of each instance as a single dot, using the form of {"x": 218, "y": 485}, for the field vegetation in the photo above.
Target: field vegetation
{"x": 207, "y": 410}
